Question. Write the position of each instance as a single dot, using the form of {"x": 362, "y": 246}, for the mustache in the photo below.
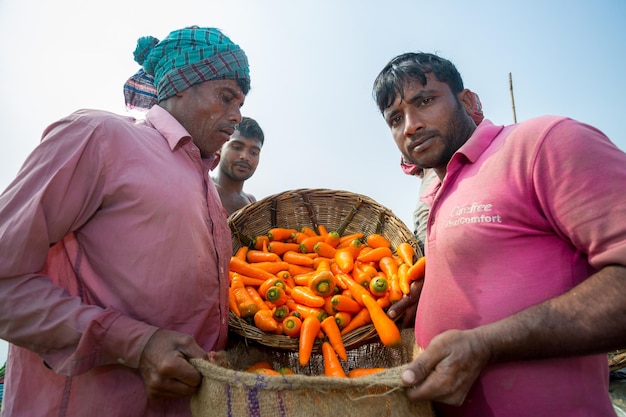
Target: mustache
{"x": 419, "y": 138}
{"x": 242, "y": 163}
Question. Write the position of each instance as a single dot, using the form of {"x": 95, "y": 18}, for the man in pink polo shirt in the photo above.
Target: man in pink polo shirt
{"x": 525, "y": 287}
{"x": 114, "y": 245}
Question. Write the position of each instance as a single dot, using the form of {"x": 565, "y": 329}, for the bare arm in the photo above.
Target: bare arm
{"x": 590, "y": 318}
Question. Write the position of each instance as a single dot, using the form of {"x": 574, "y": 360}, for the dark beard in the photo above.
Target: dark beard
{"x": 458, "y": 130}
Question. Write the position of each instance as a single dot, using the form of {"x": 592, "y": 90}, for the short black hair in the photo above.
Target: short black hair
{"x": 413, "y": 66}
{"x": 250, "y": 129}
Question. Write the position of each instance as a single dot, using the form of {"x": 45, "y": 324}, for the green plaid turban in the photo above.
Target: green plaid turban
{"x": 185, "y": 57}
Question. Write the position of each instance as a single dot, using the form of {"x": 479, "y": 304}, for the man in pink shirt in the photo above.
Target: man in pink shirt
{"x": 115, "y": 246}
{"x": 525, "y": 287}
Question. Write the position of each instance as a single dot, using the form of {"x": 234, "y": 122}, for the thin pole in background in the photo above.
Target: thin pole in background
{"x": 512, "y": 98}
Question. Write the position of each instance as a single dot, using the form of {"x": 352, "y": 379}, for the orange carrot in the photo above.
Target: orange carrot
{"x": 358, "y": 292}
{"x": 331, "y": 330}
{"x": 246, "y": 305}
{"x": 332, "y": 366}
{"x": 332, "y": 238}
{"x": 304, "y": 279}
{"x": 363, "y": 273}
{"x": 281, "y": 233}
{"x": 321, "y": 230}
{"x": 375, "y": 254}
{"x": 345, "y": 259}
{"x": 298, "y": 269}
{"x": 249, "y": 281}
{"x": 385, "y": 327}
{"x": 271, "y": 267}
{"x": 342, "y": 318}
{"x": 232, "y": 302}
{"x": 241, "y": 253}
{"x": 265, "y": 243}
{"x": 267, "y": 372}
{"x": 343, "y": 303}
{"x": 361, "y": 318}
{"x": 323, "y": 265}
{"x": 291, "y": 326}
{"x": 307, "y": 245}
{"x": 286, "y": 371}
{"x": 324, "y": 249}
{"x": 305, "y": 311}
{"x": 245, "y": 268}
{"x": 322, "y": 283}
{"x": 378, "y": 286}
{"x": 297, "y": 258}
{"x": 280, "y": 312}
{"x": 328, "y": 306}
{"x": 276, "y": 295}
{"x": 376, "y": 240}
{"x": 308, "y": 333}
{"x": 418, "y": 269}
{"x": 395, "y": 291}
{"x": 279, "y": 247}
{"x": 304, "y": 295}
{"x": 384, "y": 301}
{"x": 359, "y": 372}
{"x": 284, "y": 275}
{"x": 406, "y": 275}
{"x": 350, "y": 237}
{"x": 271, "y": 282}
{"x": 259, "y": 365}
{"x": 355, "y": 247}
{"x": 260, "y": 256}
{"x": 406, "y": 252}
{"x": 307, "y": 230}
{"x": 260, "y": 240}
{"x": 264, "y": 320}
{"x": 319, "y": 260}
{"x": 258, "y": 300}
{"x": 403, "y": 278}
{"x": 388, "y": 266}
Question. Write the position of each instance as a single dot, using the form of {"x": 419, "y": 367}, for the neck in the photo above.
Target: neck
{"x": 228, "y": 184}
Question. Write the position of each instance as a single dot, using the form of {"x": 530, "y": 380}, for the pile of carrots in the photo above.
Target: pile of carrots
{"x": 266, "y": 368}
{"x": 309, "y": 284}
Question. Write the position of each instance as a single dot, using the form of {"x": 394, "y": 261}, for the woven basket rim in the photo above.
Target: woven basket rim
{"x": 617, "y": 359}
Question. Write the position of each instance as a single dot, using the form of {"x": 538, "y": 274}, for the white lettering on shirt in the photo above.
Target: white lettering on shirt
{"x": 474, "y": 213}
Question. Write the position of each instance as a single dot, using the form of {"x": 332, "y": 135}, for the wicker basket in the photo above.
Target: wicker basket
{"x": 617, "y": 359}
{"x": 342, "y": 211}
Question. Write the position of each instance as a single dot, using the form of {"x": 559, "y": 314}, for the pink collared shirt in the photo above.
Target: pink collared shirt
{"x": 111, "y": 230}
{"x": 525, "y": 213}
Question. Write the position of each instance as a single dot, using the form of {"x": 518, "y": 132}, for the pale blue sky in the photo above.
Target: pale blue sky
{"x": 312, "y": 68}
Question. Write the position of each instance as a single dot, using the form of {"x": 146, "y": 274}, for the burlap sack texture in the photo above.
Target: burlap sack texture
{"x": 227, "y": 390}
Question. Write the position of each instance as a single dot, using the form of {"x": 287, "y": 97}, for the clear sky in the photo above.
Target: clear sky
{"x": 312, "y": 68}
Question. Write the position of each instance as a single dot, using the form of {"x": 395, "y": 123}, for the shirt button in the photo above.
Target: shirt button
{"x": 121, "y": 361}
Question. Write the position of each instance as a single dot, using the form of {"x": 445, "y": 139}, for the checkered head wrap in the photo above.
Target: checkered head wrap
{"x": 185, "y": 57}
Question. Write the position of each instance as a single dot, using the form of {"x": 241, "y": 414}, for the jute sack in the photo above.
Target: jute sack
{"x": 227, "y": 390}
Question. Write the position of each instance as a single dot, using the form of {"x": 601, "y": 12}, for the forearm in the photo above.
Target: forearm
{"x": 590, "y": 318}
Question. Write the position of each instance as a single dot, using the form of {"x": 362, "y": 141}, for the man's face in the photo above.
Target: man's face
{"x": 210, "y": 112}
{"x": 240, "y": 157}
{"x": 430, "y": 123}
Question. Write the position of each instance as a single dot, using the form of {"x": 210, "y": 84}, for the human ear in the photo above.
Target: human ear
{"x": 468, "y": 100}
